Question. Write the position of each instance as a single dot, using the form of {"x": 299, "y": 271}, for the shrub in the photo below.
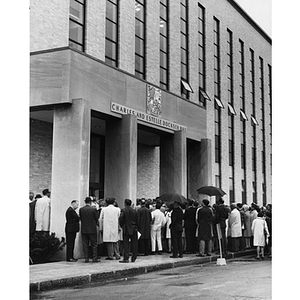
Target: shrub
{"x": 43, "y": 246}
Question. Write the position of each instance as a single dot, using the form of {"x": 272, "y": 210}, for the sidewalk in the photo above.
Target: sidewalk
{"x": 63, "y": 274}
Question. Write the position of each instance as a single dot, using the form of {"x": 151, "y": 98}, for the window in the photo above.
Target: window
{"x": 140, "y": 53}
{"x": 219, "y": 103}
{"x": 262, "y": 112}
{"x": 216, "y": 34}
{"x": 201, "y": 56}
{"x": 229, "y": 67}
{"x": 243, "y": 116}
{"x": 217, "y": 91}
{"x": 77, "y": 24}
{"x": 231, "y": 109}
{"x": 254, "y": 121}
{"x": 241, "y": 74}
{"x": 185, "y": 88}
{"x": 164, "y": 44}
{"x": 111, "y": 36}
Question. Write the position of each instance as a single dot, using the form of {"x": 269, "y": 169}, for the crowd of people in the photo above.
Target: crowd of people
{"x": 152, "y": 227}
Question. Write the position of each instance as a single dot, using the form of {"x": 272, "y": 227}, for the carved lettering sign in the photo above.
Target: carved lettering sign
{"x": 120, "y": 109}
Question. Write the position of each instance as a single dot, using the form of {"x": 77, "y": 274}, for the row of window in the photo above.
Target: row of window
{"x": 76, "y": 39}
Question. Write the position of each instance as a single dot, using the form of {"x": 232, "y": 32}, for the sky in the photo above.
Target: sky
{"x": 260, "y": 11}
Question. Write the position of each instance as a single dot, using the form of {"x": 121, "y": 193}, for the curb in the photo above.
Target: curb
{"x": 105, "y": 276}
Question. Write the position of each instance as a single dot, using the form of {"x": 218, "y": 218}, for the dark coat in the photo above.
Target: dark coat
{"x": 128, "y": 220}
{"x": 31, "y": 216}
{"x": 204, "y": 219}
{"x": 72, "y": 224}
{"x": 89, "y": 219}
{"x": 221, "y": 215}
{"x": 190, "y": 218}
{"x": 176, "y": 219}
{"x": 144, "y": 220}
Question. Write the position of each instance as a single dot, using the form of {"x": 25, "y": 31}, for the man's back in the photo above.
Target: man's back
{"x": 129, "y": 220}
{"x": 88, "y": 217}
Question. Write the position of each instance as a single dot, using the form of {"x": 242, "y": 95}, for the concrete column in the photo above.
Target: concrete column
{"x": 173, "y": 164}
{"x": 121, "y": 159}
{"x": 180, "y": 163}
{"x": 70, "y": 163}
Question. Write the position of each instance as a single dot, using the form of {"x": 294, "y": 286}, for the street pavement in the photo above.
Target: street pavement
{"x": 63, "y": 274}
{"x": 241, "y": 278}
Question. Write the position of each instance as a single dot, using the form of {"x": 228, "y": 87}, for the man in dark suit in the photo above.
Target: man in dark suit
{"x": 89, "y": 222}
{"x": 190, "y": 227}
{"x": 129, "y": 222}
{"x": 71, "y": 229}
{"x": 144, "y": 217}
{"x": 176, "y": 230}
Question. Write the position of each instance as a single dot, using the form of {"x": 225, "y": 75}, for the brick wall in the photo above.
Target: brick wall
{"x": 40, "y": 159}
{"x": 147, "y": 171}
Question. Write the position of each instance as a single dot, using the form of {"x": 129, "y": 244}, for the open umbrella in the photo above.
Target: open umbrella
{"x": 211, "y": 191}
{"x": 172, "y": 197}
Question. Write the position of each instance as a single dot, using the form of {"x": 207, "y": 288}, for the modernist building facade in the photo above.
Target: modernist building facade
{"x": 132, "y": 99}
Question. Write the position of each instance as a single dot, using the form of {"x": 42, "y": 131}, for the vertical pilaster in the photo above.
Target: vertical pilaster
{"x": 70, "y": 162}
{"x": 127, "y": 36}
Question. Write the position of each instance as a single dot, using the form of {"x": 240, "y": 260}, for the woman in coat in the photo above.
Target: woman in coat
{"x": 247, "y": 226}
{"x": 204, "y": 220}
{"x": 259, "y": 229}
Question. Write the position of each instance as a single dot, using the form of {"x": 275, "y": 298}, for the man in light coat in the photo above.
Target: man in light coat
{"x": 42, "y": 212}
{"x": 158, "y": 221}
{"x": 235, "y": 227}
{"x": 109, "y": 223}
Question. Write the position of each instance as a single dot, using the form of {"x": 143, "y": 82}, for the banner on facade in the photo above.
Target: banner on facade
{"x": 121, "y": 109}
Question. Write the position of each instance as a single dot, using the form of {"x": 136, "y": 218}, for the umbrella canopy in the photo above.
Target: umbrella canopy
{"x": 172, "y": 197}
{"x": 211, "y": 191}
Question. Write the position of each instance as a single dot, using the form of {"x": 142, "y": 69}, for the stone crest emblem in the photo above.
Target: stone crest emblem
{"x": 153, "y": 101}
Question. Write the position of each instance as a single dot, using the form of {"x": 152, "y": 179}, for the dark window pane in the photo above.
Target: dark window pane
{"x": 163, "y": 43}
{"x": 163, "y": 76}
{"x": 163, "y": 27}
{"x": 201, "y": 81}
{"x": 76, "y": 11}
{"x": 110, "y": 50}
{"x": 111, "y": 31}
{"x": 111, "y": 12}
{"x": 139, "y": 46}
{"x": 139, "y": 11}
{"x": 139, "y": 29}
{"x": 184, "y": 71}
{"x": 183, "y": 26}
{"x": 76, "y": 32}
{"x": 139, "y": 64}
{"x": 163, "y": 12}
{"x": 163, "y": 60}
{"x": 183, "y": 56}
{"x": 75, "y": 46}
{"x": 183, "y": 41}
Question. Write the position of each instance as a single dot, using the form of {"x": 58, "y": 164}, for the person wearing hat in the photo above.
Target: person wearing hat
{"x": 144, "y": 221}
{"x": 204, "y": 218}
{"x": 176, "y": 230}
{"x": 89, "y": 221}
{"x": 71, "y": 229}
{"x": 42, "y": 212}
